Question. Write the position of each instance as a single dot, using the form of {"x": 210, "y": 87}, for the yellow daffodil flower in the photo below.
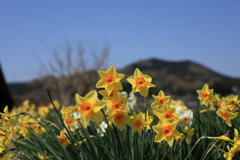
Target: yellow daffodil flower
{"x": 69, "y": 122}
{"x": 140, "y": 83}
{"x": 232, "y": 102}
{"x": 90, "y": 107}
{"x": 6, "y": 157}
{"x": 25, "y": 104}
{"x": 43, "y": 111}
{"x": 174, "y": 103}
{"x": 117, "y": 103}
{"x": 166, "y": 112}
{"x": 56, "y": 104}
{"x": 63, "y": 139}
{"x": 137, "y": 123}
{"x": 113, "y": 94}
{"x": 188, "y": 134}
{"x": 226, "y": 115}
{"x": 119, "y": 119}
{"x": 43, "y": 156}
{"x": 205, "y": 95}
{"x": 147, "y": 120}
{"x": 160, "y": 100}
{"x": 166, "y": 131}
{"x": 110, "y": 80}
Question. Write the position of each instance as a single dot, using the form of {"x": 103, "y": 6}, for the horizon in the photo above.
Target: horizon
{"x": 132, "y": 64}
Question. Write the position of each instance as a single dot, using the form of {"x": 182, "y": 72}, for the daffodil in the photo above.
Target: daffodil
{"x": 109, "y": 96}
{"x": 185, "y": 116}
{"x": 160, "y": 100}
{"x": 43, "y": 156}
{"x": 32, "y": 110}
{"x": 188, "y": 133}
{"x": 231, "y": 152}
{"x": 119, "y": 119}
{"x": 102, "y": 128}
{"x": 166, "y": 112}
{"x": 2, "y": 147}
{"x": 43, "y": 111}
{"x": 232, "y": 102}
{"x": 174, "y": 103}
{"x": 140, "y": 83}
{"x": 25, "y": 104}
{"x": 132, "y": 99}
{"x": 236, "y": 139}
{"x": 90, "y": 107}
{"x": 69, "y": 122}
{"x": 137, "y": 123}
{"x": 147, "y": 120}
{"x": 218, "y": 100}
{"x": 110, "y": 80}
{"x": 226, "y": 115}
{"x": 63, "y": 139}
{"x": 22, "y": 130}
{"x": 56, "y": 104}
{"x": 4, "y": 138}
{"x": 205, "y": 95}
{"x": 37, "y": 128}
{"x": 5, "y": 119}
{"x": 6, "y": 156}
{"x": 166, "y": 131}
{"x": 117, "y": 103}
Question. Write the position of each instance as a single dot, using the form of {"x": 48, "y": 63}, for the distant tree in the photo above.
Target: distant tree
{"x": 5, "y": 96}
{"x": 72, "y": 70}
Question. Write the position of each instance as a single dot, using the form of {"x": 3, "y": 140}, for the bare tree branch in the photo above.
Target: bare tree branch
{"x": 73, "y": 70}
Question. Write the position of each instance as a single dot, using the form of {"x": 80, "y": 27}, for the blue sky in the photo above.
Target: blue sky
{"x": 206, "y": 32}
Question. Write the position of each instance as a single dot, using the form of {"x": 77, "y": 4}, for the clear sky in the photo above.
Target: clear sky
{"x": 206, "y": 32}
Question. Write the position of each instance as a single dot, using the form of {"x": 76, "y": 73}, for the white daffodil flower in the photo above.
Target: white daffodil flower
{"x": 102, "y": 128}
{"x": 131, "y": 99}
{"x": 185, "y": 115}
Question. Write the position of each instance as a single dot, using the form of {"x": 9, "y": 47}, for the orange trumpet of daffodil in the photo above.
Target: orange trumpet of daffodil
{"x": 166, "y": 112}
{"x": 166, "y": 131}
{"x": 63, "y": 139}
{"x": 90, "y": 107}
{"x": 226, "y": 115}
{"x": 205, "y": 95}
{"x": 119, "y": 119}
{"x": 140, "y": 83}
{"x": 160, "y": 100}
{"x": 117, "y": 103}
{"x": 110, "y": 80}
{"x": 137, "y": 123}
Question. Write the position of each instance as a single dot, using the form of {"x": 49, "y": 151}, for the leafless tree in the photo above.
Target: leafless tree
{"x": 72, "y": 70}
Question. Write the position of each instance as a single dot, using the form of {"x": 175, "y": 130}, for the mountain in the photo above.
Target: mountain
{"x": 181, "y": 78}
{"x": 174, "y": 78}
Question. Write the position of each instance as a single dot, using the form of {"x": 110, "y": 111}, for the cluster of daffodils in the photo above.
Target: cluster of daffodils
{"x": 115, "y": 109}
{"x": 21, "y": 122}
{"x": 227, "y": 108}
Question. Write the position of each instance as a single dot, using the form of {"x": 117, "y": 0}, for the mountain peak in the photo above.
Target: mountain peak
{"x": 181, "y": 77}
{"x": 180, "y": 68}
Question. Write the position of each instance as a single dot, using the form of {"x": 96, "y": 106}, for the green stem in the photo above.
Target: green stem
{"x": 146, "y": 108}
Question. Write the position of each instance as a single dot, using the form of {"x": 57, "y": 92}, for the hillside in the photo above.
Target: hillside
{"x": 182, "y": 77}
{"x": 174, "y": 78}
